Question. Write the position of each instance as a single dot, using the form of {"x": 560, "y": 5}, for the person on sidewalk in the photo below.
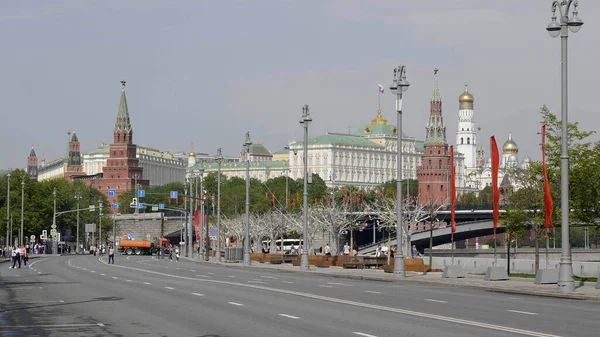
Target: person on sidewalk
{"x": 162, "y": 252}
{"x": 327, "y": 250}
{"x": 346, "y": 249}
{"x": 111, "y": 255}
{"x": 16, "y": 255}
{"x": 24, "y": 256}
{"x": 177, "y": 254}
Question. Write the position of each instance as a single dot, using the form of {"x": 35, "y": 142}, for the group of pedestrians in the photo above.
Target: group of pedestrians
{"x": 173, "y": 251}
{"x": 18, "y": 255}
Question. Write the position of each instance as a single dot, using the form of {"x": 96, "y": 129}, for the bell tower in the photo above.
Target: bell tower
{"x": 32, "y": 165}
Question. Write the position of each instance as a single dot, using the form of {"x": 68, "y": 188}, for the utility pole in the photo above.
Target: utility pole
{"x": 23, "y": 208}
{"x": 77, "y": 197}
{"x": 100, "y": 222}
{"x": 220, "y": 160}
{"x": 8, "y": 210}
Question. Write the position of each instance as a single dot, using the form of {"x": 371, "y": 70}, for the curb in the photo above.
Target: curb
{"x": 574, "y": 296}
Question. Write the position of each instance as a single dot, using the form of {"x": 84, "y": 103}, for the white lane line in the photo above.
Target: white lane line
{"x": 231, "y": 276}
{"x": 210, "y": 273}
{"x": 192, "y": 270}
{"x": 235, "y": 303}
{"x": 436, "y": 301}
{"x": 261, "y": 282}
{"x": 364, "y": 334}
{"x": 271, "y": 277}
{"x": 197, "y": 294}
{"x": 129, "y": 280}
{"x": 202, "y": 276}
{"x": 340, "y": 284}
{"x": 170, "y": 288}
{"x": 115, "y": 277}
{"x": 83, "y": 269}
{"x": 372, "y": 292}
{"x": 512, "y": 298}
{"x": 522, "y": 312}
{"x": 100, "y": 324}
{"x": 91, "y": 271}
{"x": 50, "y": 326}
{"x": 288, "y": 282}
{"x": 39, "y": 272}
{"x": 148, "y": 283}
{"x": 355, "y": 304}
{"x": 103, "y": 274}
{"x": 178, "y": 268}
{"x": 289, "y": 316}
{"x": 324, "y": 286}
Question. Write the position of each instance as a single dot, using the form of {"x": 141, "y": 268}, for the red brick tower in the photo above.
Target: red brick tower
{"x": 434, "y": 173}
{"x": 122, "y": 167}
{"x": 32, "y": 165}
{"x": 74, "y": 167}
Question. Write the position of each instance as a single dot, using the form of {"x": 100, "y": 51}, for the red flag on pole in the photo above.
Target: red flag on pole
{"x": 548, "y": 203}
{"x": 273, "y": 199}
{"x": 452, "y": 189}
{"x": 169, "y": 201}
{"x": 496, "y": 192}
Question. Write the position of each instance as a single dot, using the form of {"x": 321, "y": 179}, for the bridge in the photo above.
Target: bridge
{"x": 464, "y": 230}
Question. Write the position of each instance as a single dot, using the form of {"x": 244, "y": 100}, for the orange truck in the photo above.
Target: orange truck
{"x": 143, "y": 247}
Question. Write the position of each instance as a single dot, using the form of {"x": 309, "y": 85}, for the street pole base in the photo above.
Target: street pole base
{"x": 565, "y": 276}
{"x": 454, "y": 271}
{"x": 598, "y": 283}
{"x": 246, "y": 259}
{"x": 304, "y": 262}
{"x": 496, "y": 274}
{"x": 399, "y": 272}
{"x": 546, "y": 276}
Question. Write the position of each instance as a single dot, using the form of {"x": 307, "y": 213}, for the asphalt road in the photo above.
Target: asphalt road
{"x": 143, "y": 296}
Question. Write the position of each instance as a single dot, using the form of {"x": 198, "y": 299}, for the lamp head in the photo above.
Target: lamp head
{"x": 403, "y": 84}
{"x": 394, "y": 85}
{"x": 575, "y": 22}
{"x": 553, "y": 27}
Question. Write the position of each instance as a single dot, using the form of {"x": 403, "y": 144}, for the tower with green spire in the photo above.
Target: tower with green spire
{"x": 434, "y": 172}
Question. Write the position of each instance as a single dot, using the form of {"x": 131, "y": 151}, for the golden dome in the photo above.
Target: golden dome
{"x": 379, "y": 120}
{"x": 510, "y": 147}
{"x": 192, "y": 154}
{"x": 466, "y": 100}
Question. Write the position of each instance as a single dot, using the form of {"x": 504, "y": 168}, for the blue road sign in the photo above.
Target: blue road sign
{"x": 141, "y": 193}
{"x": 112, "y": 193}
{"x": 173, "y": 195}
{"x": 115, "y": 205}
{"x": 130, "y": 236}
{"x": 161, "y": 206}
{"x": 140, "y": 205}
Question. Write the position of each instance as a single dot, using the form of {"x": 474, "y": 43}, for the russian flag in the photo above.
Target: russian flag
{"x": 380, "y": 89}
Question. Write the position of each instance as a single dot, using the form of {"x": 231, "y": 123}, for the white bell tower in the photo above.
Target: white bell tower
{"x": 466, "y": 134}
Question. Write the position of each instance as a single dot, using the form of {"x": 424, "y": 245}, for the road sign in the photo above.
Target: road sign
{"x": 161, "y": 206}
{"x": 58, "y": 237}
{"x": 173, "y": 195}
{"x": 130, "y": 236}
{"x": 92, "y": 208}
{"x": 148, "y": 236}
{"x": 32, "y": 238}
{"x": 116, "y": 205}
{"x": 154, "y": 208}
{"x": 140, "y": 205}
{"x": 53, "y": 232}
{"x": 112, "y": 193}
{"x": 44, "y": 234}
{"x": 141, "y": 193}
{"x": 90, "y": 227}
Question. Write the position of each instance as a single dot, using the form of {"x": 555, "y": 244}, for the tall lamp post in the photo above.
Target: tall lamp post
{"x": 573, "y": 23}
{"x": 247, "y": 145}
{"x": 99, "y": 223}
{"x": 8, "y": 210}
{"x": 21, "y": 233}
{"x": 399, "y": 85}
{"x": 305, "y": 121}
{"x": 78, "y": 198}
{"x": 54, "y": 242}
{"x": 219, "y": 159}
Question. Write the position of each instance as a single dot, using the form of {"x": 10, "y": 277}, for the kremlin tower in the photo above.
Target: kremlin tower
{"x": 32, "y": 165}
{"x": 434, "y": 173}
{"x": 466, "y": 135}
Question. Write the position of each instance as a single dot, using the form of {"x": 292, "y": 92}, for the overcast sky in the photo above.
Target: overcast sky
{"x": 208, "y": 71}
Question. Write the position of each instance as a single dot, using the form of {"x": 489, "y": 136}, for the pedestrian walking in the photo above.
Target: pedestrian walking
{"x": 162, "y": 252}
{"x": 16, "y": 257}
{"x": 24, "y": 256}
{"x": 111, "y": 255}
{"x": 177, "y": 254}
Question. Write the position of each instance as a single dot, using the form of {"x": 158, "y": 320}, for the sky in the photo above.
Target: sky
{"x": 205, "y": 72}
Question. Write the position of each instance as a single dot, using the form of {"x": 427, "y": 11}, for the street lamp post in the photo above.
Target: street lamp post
{"x": 8, "y": 210}
{"x": 219, "y": 161}
{"x": 99, "y": 224}
{"x": 202, "y": 216}
{"x": 21, "y": 240}
{"x": 78, "y": 198}
{"x": 399, "y": 85}
{"x": 305, "y": 121}
{"x": 247, "y": 145}
{"x": 573, "y": 23}
{"x": 54, "y": 242}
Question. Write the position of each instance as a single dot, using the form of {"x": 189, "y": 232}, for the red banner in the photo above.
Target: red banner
{"x": 548, "y": 203}
{"x": 495, "y": 191}
{"x": 197, "y": 224}
{"x": 452, "y": 190}
{"x": 273, "y": 199}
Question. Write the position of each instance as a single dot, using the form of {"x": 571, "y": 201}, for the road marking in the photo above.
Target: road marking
{"x": 231, "y": 276}
{"x": 170, "y": 288}
{"x": 91, "y": 271}
{"x": 197, "y": 294}
{"x": 49, "y": 326}
{"x": 261, "y": 282}
{"x": 203, "y": 276}
{"x": 39, "y": 272}
{"x": 289, "y": 316}
{"x": 340, "y": 284}
{"x": 192, "y": 270}
{"x": 288, "y": 282}
{"x": 325, "y": 286}
{"x": 34, "y": 262}
{"x": 103, "y": 274}
{"x": 115, "y": 277}
{"x": 420, "y": 314}
{"x": 522, "y": 312}
{"x": 148, "y": 283}
{"x": 372, "y": 292}
{"x": 210, "y": 273}
{"x": 437, "y": 301}
{"x": 129, "y": 280}
{"x": 512, "y": 298}
{"x": 364, "y": 334}
{"x": 271, "y": 277}
{"x": 235, "y": 303}
{"x": 83, "y": 269}
{"x": 100, "y": 324}
{"x": 178, "y": 268}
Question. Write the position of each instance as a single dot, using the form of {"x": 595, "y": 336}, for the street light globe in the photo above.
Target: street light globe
{"x": 404, "y": 84}
{"x": 553, "y": 28}
{"x": 575, "y": 23}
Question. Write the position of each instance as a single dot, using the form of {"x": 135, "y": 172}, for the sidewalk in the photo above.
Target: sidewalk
{"x": 515, "y": 285}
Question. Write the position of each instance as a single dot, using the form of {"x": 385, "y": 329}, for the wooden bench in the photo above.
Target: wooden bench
{"x": 353, "y": 262}
{"x": 322, "y": 262}
{"x": 276, "y": 259}
{"x": 372, "y": 261}
{"x": 410, "y": 264}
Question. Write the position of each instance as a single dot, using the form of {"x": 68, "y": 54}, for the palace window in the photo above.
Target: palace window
{"x": 468, "y": 140}
{"x": 461, "y": 140}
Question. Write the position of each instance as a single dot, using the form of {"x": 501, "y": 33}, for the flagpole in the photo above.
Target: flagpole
{"x": 452, "y": 248}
